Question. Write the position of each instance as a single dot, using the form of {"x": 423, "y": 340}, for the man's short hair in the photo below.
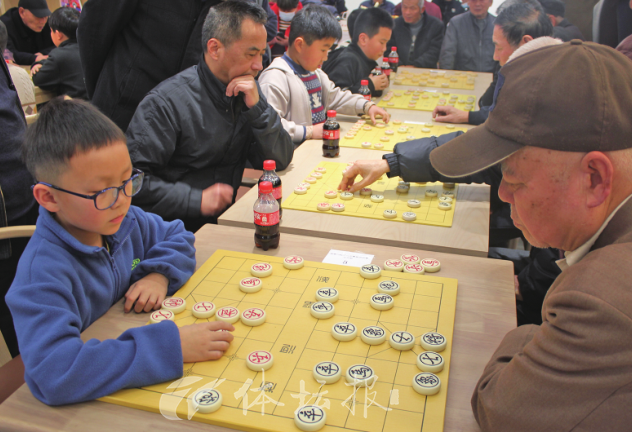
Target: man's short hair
{"x": 535, "y": 3}
{"x": 557, "y": 8}
{"x": 522, "y": 19}
{"x": 313, "y": 23}
{"x": 370, "y": 21}
{"x": 223, "y": 21}
{"x": 4, "y": 37}
{"x": 66, "y": 20}
{"x": 63, "y": 129}
{"x": 287, "y": 5}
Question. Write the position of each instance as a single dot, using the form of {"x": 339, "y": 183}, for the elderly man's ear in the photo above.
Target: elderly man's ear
{"x": 598, "y": 172}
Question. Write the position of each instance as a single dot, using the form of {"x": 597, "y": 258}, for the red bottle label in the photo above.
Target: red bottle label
{"x": 387, "y": 72}
{"x": 367, "y": 97}
{"x": 277, "y": 192}
{"x": 331, "y": 134}
{"x": 267, "y": 219}
{"x": 393, "y": 60}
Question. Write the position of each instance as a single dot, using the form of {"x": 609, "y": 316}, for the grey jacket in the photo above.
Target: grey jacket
{"x": 466, "y": 47}
{"x": 187, "y": 135}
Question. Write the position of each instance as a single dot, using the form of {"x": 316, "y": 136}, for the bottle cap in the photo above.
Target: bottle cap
{"x": 394, "y": 49}
{"x": 364, "y": 82}
{"x": 269, "y": 165}
{"x": 265, "y": 187}
{"x": 385, "y": 59}
{"x": 332, "y": 113}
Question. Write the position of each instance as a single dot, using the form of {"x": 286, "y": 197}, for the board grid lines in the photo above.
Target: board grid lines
{"x": 361, "y": 205}
{"x": 313, "y": 276}
{"x": 464, "y": 80}
{"x": 426, "y": 100}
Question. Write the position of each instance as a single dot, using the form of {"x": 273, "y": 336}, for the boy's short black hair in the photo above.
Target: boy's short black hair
{"x": 66, "y": 20}
{"x": 63, "y": 129}
{"x": 351, "y": 19}
{"x": 287, "y": 5}
{"x": 369, "y": 22}
{"x": 313, "y": 23}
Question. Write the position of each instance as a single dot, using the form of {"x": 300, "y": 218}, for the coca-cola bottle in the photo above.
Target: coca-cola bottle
{"x": 377, "y": 71}
{"x": 266, "y": 211}
{"x": 393, "y": 59}
{"x": 364, "y": 89}
{"x": 331, "y": 136}
{"x": 269, "y": 174}
{"x": 386, "y": 69}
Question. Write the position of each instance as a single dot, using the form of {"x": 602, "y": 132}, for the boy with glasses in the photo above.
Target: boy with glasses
{"x": 90, "y": 249}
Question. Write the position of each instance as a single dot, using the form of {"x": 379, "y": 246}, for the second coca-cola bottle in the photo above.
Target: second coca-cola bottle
{"x": 269, "y": 174}
{"x": 266, "y": 210}
{"x": 386, "y": 69}
{"x": 365, "y": 91}
{"x": 393, "y": 59}
{"x": 331, "y": 136}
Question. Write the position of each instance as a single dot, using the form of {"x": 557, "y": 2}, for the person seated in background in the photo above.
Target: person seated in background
{"x": 348, "y": 66}
{"x": 29, "y": 33}
{"x": 90, "y": 249}
{"x": 431, "y": 9}
{"x": 61, "y": 72}
{"x": 382, "y": 4}
{"x": 467, "y": 44}
{"x": 285, "y": 11}
{"x": 299, "y": 90}
{"x": 21, "y": 79}
{"x": 562, "y": 28}
{"x": 449, "y": 9}
{"x": 518, "y": 22}
{"x": 194, "y": 132}
{"x": 417, "y": 36}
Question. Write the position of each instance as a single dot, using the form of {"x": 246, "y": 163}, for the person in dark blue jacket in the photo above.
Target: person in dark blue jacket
{"x": 90, "y": 249}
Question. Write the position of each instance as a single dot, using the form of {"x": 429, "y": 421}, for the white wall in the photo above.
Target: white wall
{"x": 354, "y": 4}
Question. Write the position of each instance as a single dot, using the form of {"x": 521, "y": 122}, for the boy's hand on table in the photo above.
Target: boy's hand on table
{"x": 201, "y": 342}
{"x": 375, "y": 110}
{"x": 380, "y": 82}
{"x": 370, "y": 170}
{"x": 148, "y": 293}
{"x": 36, "y": 69}
{"x": 244, "y": 84}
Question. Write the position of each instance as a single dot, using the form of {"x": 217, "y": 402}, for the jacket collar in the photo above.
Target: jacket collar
{"x": 618, "y": 227}
{"x": 213, "y": 86}
{"x": 51, "y": 230}
{"x": 354, "y": 48}
{"x": 67, "y": 42}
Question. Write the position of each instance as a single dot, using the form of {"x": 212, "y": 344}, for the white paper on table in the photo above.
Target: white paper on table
{"x": 353, "y": 259}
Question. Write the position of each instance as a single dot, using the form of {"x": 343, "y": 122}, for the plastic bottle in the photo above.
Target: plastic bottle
{"x": 386, "y": 68}
{"x": 266, "y": 211}
{"x": 364, "y": 89}
{"x": 393, "y": 59}
{"x": 377, "y": 71}
{"x": 269, "y": 174}
{"x": 331, "y": 136}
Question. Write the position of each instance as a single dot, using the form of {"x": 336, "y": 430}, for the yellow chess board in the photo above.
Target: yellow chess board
{"x": 426, "y": 100}
{"x": 362, "y": 206}
{"x": 439, "y": 79}
{"x": 299, "y": 341}
{"x": 376, "y": 135}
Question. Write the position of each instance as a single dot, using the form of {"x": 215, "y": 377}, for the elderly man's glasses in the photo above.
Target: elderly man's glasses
{"x": 107, "y": 197}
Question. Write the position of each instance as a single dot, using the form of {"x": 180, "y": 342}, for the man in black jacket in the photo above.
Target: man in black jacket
{"x": 29, "y": 33}
{"x": 61, "y": 72}
{"x": 417, "y": 36}
{"x": 193, "y": 133}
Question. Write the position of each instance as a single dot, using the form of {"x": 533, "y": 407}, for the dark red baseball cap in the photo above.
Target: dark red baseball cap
{"x": 574, "y": 97}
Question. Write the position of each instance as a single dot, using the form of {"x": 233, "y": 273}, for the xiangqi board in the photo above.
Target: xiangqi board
{"x": 439, "y": 79}
{"x": 426, "y": 100}
{"x": 298, "y": 342}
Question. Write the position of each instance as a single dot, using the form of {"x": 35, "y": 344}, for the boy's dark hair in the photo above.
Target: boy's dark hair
{"x": 557, "y": 8}
{"x": 313, "y": 23}
{"x": 287, "y": 5}
{"x": 369, "y": 22}
{"x": 66, "y": 20}
{"x": 351, "y": 19}
{"x": 223, "y": 21}
{"x": 63, "y": 129}
{"x": 523, "y": 19}
{"x": 4, "y": 37}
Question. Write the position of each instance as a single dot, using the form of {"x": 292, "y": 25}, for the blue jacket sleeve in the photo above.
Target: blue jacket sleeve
{"x": 169, "y": 250}
{"x": 60, "y": 368}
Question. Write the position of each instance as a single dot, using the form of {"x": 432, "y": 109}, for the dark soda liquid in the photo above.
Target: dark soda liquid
{"x": 267, "y": 237}
{"x": 331, "y": 147}
{"x": 275, "y": 184}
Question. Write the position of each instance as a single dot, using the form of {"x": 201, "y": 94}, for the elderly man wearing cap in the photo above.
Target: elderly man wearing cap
{"x": 562, "y": 128}
{"x": 29, "y": 33}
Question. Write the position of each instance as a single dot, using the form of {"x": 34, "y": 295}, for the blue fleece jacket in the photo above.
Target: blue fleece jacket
{"x": 62, "y": 286}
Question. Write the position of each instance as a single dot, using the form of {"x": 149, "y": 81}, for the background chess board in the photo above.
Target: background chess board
{"x": 464, "y": 80}
{"x": 298, "y": 342}
{"x": 362, "y": 206}
{"x": 414, "y": 129}
{"x": 421, "y": 104}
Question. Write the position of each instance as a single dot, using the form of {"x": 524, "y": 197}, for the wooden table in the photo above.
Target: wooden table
{"x": 42, "y": 96}
{"x": 469, "y": 234}
{"x": 485, "y": 312}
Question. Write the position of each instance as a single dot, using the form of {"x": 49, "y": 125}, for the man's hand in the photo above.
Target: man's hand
{"x": 203, "y": 341}
{"x": 40, "y": 57}
{"x": 36, "y": 68}
{"x": 148, "y": 293}
{"x": 370, "y": 170}
{"x": 380, "y": 82}
{"x": 317, "y": 131}
{"x": 216, "y": 198}
{"x": 278, "y": 40}
{"x": 449, "y": 114}
{"x": 375, "y": 110}
{"x": 244, "y": 84}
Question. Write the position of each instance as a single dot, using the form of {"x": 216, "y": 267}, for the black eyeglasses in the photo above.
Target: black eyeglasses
{"x": 107, "y": 197}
